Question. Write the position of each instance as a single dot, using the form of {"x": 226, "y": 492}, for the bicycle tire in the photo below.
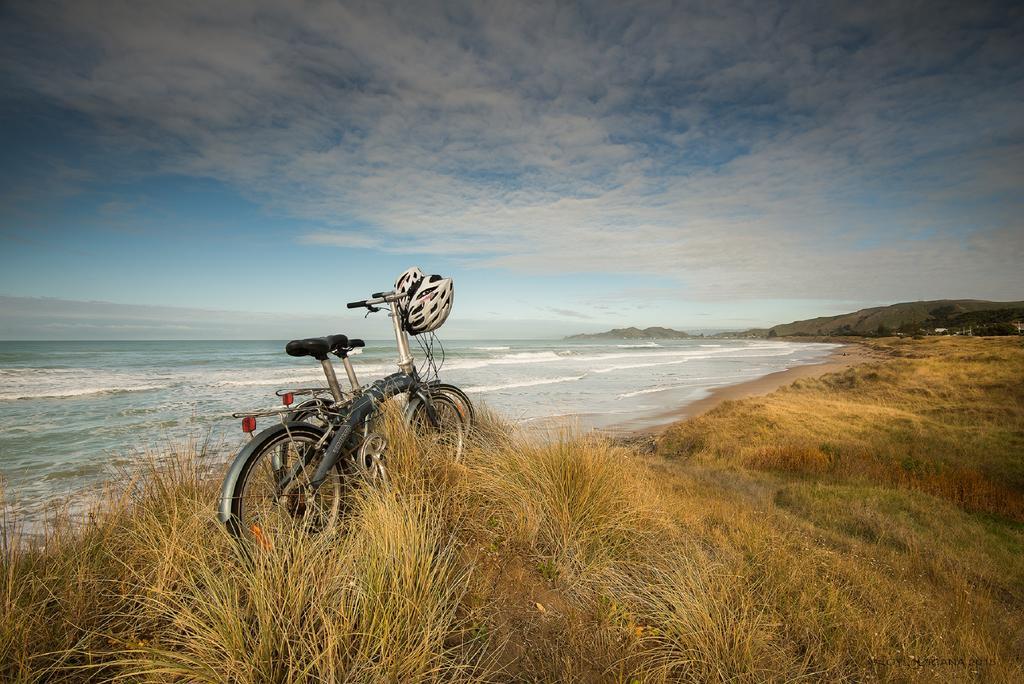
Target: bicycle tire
{"x": 453, "y": 423}
{"x": 248, "y": 522}
{"x": 458, "y": 395}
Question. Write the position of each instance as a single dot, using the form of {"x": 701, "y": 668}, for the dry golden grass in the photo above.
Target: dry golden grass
{"x": 942, "y": 415}
{"x": 768, "y": 546}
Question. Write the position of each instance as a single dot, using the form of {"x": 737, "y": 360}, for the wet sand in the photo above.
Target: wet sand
{"x": 844, "y": 357}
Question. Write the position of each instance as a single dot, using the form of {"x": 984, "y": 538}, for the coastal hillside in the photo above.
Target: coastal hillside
{"x": 908, "y": 317}
{"x": 633, "y": 333}
{"x": 867, "y": 525}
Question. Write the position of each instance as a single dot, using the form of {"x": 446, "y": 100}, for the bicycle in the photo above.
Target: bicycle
{"x": 302, "y": 469}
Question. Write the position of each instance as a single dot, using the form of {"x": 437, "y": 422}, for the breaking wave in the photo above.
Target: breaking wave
{"x": 524, "y": 383}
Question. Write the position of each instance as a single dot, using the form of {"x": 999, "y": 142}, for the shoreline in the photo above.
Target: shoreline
{"x": 850, "y": 354}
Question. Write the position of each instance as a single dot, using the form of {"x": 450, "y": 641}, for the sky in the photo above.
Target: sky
{"x": 243, "y": 169}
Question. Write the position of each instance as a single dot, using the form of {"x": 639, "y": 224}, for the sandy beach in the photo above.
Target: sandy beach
{"x": 843, "y": 357}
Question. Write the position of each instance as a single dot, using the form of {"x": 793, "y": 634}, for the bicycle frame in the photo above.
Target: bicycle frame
{"x": 405, "y": 360}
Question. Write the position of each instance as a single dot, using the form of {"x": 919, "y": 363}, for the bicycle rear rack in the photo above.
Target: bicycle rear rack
{"x": 263, "y": 412}
{"x": 303, "y": 391}
{"x": 315, "y": 392}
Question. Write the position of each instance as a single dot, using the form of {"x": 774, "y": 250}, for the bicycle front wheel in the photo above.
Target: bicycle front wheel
{"x": 466, "y": 407}
{"x": 446, "y": 426}
{"x": 272, "y": 495}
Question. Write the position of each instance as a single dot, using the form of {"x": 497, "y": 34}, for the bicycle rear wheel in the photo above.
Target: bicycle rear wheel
{"x": 312, "y": 411}
{"x": 272, "y": 495}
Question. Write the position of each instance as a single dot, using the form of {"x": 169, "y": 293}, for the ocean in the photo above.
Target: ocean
{"x": 73, "y": 412}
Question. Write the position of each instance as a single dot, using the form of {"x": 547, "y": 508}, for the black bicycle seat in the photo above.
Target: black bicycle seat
{"x": 319, "y": 347}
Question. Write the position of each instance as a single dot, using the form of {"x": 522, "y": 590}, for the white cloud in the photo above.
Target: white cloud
{"x": 785, "y": 151}
{"x": 352, "y": 240}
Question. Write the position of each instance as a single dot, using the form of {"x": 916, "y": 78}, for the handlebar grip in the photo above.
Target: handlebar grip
{"x": 356, "y": 305}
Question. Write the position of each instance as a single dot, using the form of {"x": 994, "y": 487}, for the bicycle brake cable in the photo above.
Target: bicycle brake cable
{"x": 441, "y": 345}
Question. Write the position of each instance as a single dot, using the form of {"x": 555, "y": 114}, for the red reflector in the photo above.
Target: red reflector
{"x": 249, "y": 424}
{"x": 287, "y": 399}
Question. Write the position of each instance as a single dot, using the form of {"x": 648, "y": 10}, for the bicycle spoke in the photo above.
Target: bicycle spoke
{"x": 266, "y": 509}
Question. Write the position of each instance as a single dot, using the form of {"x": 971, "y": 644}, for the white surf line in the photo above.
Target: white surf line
{"x": 695, "y": 384}
{"x": 526, "y": 383}
{"x": 549, "y": 357}
{"x": 23, "y": 394}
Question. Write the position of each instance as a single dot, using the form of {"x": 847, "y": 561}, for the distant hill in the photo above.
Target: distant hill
{"x": 653, "y": 333}
{"x": 732, "y": 334}
{"x": 908, "y": 317}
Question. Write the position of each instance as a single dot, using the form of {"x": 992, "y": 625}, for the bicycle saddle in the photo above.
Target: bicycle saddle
{"x": 319, "y": 347}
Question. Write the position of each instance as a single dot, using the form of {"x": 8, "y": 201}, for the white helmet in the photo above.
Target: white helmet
{"x": 430, "y": 302}
{"x": 408, "y": 281}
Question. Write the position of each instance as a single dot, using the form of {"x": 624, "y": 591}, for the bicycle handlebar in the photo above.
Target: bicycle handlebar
{"x": 377, "y": 298}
